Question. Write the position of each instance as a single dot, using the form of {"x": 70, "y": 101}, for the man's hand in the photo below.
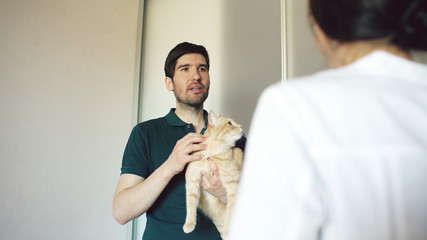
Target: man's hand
{"x": 135, "y": 195}
{"x": 212, "y": 183}
{"x": 181, "y": 153}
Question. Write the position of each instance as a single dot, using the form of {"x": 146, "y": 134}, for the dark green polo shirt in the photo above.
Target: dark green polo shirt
{"x": 149, "y": 145}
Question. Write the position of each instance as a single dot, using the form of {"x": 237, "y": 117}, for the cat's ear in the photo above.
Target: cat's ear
{"x": 213, "y": 119}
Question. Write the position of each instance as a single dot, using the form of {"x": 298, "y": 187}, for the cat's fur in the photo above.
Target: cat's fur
{"x": 221, "y": 136}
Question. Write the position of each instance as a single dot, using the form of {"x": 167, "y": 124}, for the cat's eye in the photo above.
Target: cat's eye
{"x": 229, "y": 123}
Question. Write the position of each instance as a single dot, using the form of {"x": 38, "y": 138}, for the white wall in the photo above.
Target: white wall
{"x": 67, "y": 76}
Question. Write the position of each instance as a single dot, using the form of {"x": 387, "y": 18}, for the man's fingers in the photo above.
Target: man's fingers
{"x": 192, "y": 138}
{"x": 206, "y": 181}
{"x": 196, "y": 147}
{"x": 189, "y": 144}
{"x": 195, "y": 157}
{"x": 213, "y": 165}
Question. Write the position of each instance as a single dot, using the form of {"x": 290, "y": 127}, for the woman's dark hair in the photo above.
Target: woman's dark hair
{"x": 178, "y": 51}
{"x": 404, "y": 22}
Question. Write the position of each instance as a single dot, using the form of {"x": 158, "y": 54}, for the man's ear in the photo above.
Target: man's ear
{"x": 169, "y": 83}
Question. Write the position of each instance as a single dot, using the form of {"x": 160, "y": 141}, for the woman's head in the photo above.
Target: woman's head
{"x": 401, "y": 22}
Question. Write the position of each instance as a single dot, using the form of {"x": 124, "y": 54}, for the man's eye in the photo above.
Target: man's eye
{"x": 202, "y": 69}
{"x": 184, "y": 69}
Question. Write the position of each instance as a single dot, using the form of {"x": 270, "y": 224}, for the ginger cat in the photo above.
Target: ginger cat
{"x": 222, "y": 134}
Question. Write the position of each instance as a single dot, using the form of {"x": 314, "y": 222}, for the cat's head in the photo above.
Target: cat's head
{"x": 224, "y": 129}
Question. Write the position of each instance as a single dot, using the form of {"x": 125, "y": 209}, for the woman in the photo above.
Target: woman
{"x": 342, "y": 154}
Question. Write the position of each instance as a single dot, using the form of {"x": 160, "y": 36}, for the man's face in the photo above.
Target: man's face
{"x": 190, "y": 82}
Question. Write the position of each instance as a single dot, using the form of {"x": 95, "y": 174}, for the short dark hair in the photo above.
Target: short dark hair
{"x": 404, "y": 22}
{"x": 178, "y": 51}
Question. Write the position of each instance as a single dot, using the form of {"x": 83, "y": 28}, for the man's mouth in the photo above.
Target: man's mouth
{"x": 196, "y": 89}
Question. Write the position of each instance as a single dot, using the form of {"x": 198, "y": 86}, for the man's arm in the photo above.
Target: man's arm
{"x": 135, "y": 195}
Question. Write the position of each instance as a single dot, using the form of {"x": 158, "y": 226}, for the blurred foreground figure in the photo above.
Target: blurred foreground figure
{"x": 342, "y": 154}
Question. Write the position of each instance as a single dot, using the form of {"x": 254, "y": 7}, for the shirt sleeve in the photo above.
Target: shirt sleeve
{"x": 279, "y": 193}
{"x": 135, "y": 160}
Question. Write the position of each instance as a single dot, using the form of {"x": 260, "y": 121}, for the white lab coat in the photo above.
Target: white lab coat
{"x": 341, "y": 154}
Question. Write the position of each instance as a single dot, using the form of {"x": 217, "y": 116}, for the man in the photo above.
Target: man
{"x": 153, "y": 175}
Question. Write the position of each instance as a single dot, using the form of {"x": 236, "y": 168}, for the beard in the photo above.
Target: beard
{"x": 190, "y": 100}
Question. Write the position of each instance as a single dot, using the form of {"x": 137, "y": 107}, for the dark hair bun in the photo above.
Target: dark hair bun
{"x": 412, "y": 30}
{"x": 404, "y": 22}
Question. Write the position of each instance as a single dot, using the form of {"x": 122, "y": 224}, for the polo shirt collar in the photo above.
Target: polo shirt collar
{"x": 174, "y": 120}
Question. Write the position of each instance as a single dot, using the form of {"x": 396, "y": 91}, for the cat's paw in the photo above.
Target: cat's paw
{"x": 189, "y": 227}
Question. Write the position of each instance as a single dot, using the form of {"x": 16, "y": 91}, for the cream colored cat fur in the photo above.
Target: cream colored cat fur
{"x": 222, "y": 133}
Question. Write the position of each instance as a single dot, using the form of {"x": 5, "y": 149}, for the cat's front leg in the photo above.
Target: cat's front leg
{"x": 192, "y": 186}
{"x": 231, "y": 196}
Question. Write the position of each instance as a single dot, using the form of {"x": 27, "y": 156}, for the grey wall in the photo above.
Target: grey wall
{"x": 252, "y": 54}
{"x": 302, "y": 55}
{"x": 67, "y": 83}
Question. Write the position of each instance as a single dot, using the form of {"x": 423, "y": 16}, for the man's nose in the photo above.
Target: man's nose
{"x": 196, "y": 75}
